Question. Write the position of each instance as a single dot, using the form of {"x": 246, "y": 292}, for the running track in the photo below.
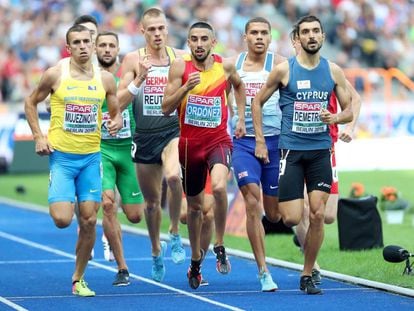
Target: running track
{"x": 36, "y": 263}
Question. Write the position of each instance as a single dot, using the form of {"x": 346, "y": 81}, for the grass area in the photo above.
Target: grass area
{"x": 367, "y": 264}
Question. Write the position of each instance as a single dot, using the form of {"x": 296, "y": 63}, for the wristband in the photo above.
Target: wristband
{"x": 133, "y": 89}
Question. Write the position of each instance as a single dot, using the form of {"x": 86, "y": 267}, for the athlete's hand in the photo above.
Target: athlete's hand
{"x": 327, "y": 117}
{"x": 194, "y": 79}
{"x": 114, "y": 125}
{"x": 346, "y": 134}
{"x": 144, "y": 67}
{"x": 261, "y": 152}
{"x": 43, "y": 147}
{"x": 240, "y": 129}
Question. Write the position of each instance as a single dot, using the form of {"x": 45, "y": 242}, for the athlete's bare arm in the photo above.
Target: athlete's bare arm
{"x": 134, "y": 68}
{"x": 48, "y": 83}
{"x": 175, "y": 91}
{"x": 278, "y": 77}
{"x": 115, "y": 123}
{"x": 344, "y": 99}
{"x": 346, "y": 134}
{"x": 239, "y": 95}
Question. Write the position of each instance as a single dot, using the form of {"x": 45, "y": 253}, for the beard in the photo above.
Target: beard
{"x": 200, "y": 58}
{"x": 105, "y": 63}
{"x": 311, "y": 51}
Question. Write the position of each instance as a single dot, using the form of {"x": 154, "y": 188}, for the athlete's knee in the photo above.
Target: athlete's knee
{"x": 330, "y": 219}
{"x": 153, "y": 205}
{"x": 273, "y": 216}
{"x": 195, "y": 208}
{"x": 290, "y": 220}
{"x": 88, "y": 222}
{"x": 317, "y": 217}
{"x": 61, "y": 222}
{"x": 108, "y": 203}
{"x": 174, "y": 182}
{"x": 134, "y": 213}
{"x": 61, "y": 219}
{"x": 219, "y": 190}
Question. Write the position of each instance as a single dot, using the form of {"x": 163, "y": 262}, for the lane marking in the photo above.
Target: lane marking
{"x": 12, "y": 304}
{"x": 96, "y": 264}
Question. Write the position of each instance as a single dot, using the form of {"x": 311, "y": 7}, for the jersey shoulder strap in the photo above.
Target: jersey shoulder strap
{"x": 240, "y": 60}
{"x": 269, "y": 61}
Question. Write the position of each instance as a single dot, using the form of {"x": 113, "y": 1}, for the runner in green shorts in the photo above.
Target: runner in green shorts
{"x": 118, "y": 168}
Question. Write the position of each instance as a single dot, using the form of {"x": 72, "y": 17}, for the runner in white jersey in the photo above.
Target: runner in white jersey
{"x": 253, "y": 173}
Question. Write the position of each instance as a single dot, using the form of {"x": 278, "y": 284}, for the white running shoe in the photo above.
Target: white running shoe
{"x": 108, "y": 254}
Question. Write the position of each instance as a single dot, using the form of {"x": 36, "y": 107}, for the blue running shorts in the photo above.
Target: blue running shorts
{"x": 249, "y": 169}
{"x": 74, "y": 175}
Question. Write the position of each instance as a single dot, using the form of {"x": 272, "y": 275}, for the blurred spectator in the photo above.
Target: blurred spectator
{"x": 377, "y": 33}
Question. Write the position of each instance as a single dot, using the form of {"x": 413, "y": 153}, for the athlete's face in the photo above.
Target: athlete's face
{"x": 93, "y": 30}
{"x": 201, "y": 42}
{"x": 311, "y": 37}
{"x": 107, "y": 50}
{"x": 258, "y": 37}
{"x": 155, "y": 31}
{"x": 80, "y": 46}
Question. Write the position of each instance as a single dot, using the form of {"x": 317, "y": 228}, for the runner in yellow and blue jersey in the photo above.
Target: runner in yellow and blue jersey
{"x": 77, "y": 90}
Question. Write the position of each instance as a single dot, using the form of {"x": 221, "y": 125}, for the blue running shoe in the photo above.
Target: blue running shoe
{"x": 267, "y": 282}
{"x": 177, "y": 249}
{"x": 158, "y": 267}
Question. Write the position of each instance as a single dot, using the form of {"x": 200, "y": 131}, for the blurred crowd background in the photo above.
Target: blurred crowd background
{"x": 360, "y": 33}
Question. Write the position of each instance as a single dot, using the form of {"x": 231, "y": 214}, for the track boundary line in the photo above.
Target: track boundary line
{"x": 234, "y": 252}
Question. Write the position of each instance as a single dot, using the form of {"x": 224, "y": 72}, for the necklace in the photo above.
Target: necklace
{"x": 88, "y": 72}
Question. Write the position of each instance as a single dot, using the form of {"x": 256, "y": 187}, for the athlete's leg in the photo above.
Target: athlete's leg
{"x": 86, "y": 238}
{"x": 315, "y": 234}
{"x": 207, "y": 226}
{"x": 219, "y": 175}
{"x": 171, "y": 166}
{"x": 150, "y": 178}
{"x": 255, "y": 231}
{"x": 112, "y": 228}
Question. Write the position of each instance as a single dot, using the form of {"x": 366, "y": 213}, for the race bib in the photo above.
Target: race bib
{"x": 124, "y": 132}
{"x": 203, "y": 111}
{"x": 306, "y": 117}
{"x": 81, "y": 119}
{"x": 252, "y": 88}
{"x": 153, "y": 93}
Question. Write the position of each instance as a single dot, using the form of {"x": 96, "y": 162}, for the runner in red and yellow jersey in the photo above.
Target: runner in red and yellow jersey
{"x": 197, "y": 87}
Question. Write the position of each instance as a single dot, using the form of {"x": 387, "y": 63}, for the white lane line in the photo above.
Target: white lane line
{"x": 12, "y": 304}
{"x": 235, "y": 292}
{"x": 96, "y": 264}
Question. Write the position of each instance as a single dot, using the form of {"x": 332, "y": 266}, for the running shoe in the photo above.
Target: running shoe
{"x": 204, "y": 282}
{"x": 316, "y": 277}
{"x": 80, "y": 288}
{"x": 177, "y": 249}
{"x": 267, "y": 282}
{"x": 158, "y": 267}
{"x": 107, "y": 250}
{"x": 194, "y": 275}
{"x": 121, "y": 278}
{"x": 307, "y": 285}
{"x": 222, "y": 264}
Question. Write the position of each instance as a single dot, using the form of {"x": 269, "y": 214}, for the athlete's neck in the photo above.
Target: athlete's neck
{"x": 157, "y": 56}
{"x": 112, "y": 69}
{"x": 254, "y": 61}
{"x": 205, "y": 64}
{"x": 308, "y": 61}
{"x": 82, "y": 69}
